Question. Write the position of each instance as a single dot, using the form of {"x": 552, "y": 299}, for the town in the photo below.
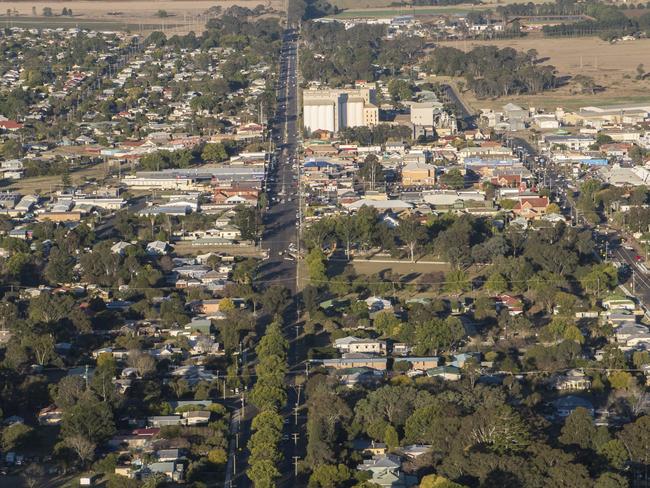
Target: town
{"x": 323, "y": 246}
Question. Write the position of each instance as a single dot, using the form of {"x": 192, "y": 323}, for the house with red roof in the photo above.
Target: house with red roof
{"x": 514, "y": 305}
{"x": 11, "y": 125}
{"x": 531, "y": 207}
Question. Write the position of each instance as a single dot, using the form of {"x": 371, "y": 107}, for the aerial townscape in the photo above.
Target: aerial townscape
{"x": 325, "y": 244}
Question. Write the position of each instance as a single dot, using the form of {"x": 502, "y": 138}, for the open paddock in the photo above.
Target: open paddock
{"x": 360, "y": 5}
{"x": 182, "y": 15}
{"x": 611, "y": 65}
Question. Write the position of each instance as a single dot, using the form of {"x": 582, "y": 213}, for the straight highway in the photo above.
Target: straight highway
{"x": 280, "y": 238}
{"x": 280, "y": 220}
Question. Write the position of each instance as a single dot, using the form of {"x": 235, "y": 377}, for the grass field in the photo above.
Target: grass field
{"x": 102, "y": 25}
{"x": 47, "y": 184}
{"x": 404, "y": 268}
{"x": 375, "y": 4}
{"x": 183, "y": 15}
{"x": 392, "y": 12}
{"x": 612, "y": 66}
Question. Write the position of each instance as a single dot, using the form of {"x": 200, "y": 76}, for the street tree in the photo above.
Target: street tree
{"x": 411, "y": 232}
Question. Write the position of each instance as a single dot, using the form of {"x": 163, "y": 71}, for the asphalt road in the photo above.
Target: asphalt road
{"x": 280, "y": 236}
{"x": 463, "y": 112}
{"x": 280, "y": 221}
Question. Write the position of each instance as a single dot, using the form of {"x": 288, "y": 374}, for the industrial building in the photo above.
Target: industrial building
{"x": 335, "y": 109}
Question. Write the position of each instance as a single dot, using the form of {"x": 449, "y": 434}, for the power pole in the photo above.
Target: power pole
{"x": 295, "y": 414}
{"x": 295, "y": 465}
{"x": 299, "y": 387}
{"x": 295, "y": 436}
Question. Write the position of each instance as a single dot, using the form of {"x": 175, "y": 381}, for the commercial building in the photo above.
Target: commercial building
{"x": 418, "y": 174}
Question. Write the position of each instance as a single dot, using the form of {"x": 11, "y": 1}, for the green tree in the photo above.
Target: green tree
{"x": 59, "y": 267}
{"x": 453, "y": 178}
{"x": 499, "y": 428}
{"x": 579, "y": 429}
{"x": 496, "y": 283}
{"x": 316, "y": 266}
{"x": 615, "y": 453}
{"x": 435, "y": 335}
{"x": 411, "y": 232}
{"x": 214, "y": 153}
{"x": 16, "y": 436}
{"x": 275, "y": 299}
{"x": 435, "y": 481}
{"x": 329, "y": 476}
{"x": 620, "y": 380}
{"x": 391, "y": 437}
{"x": 68, "y": 391}
{"x": 263, "y": 474}
{"x": 346, "y": 230}
{"x": 457, "y": 282}
{"x": 90, "y": 419}
{"x": 611, "y": 480}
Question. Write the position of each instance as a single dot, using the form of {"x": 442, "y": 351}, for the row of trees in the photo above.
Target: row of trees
{"x": 608, "y": 21}
{"x": 494, "y": 72}
{"x": 268, "y": 396}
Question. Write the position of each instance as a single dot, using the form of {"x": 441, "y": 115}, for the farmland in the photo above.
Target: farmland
{"x": 393, "y": 11}
{"x": 612, "y": 66}
{"x": 381, "y": 8}
{"x": 182, "y": 16}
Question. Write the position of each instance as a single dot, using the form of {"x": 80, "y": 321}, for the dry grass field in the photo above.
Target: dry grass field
{"x": 612, "y": 66}
{"x": 183, "y": 15}
{"x": 359, "y": 5}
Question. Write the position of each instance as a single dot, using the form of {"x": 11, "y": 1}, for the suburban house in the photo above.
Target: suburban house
{"x": 531, "y": 207}
{"x": 574, "y": 379}
{"x": 354, "y": 361}
{"x": 386, "y": 471}
{"x": 420, "y": 363}
{"x": 449, "y": 373}
{"x": 356, "y": 345}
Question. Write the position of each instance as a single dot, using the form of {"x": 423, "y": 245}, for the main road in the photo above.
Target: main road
{"x": 281, "y": 238}
{"x": 281, "y": 219}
